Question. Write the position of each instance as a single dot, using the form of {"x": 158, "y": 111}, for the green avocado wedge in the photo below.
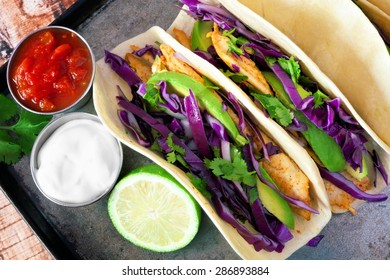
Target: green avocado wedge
{"x": 324, "y": 146}
{"x": 274, "y": 203}
{"x": 182, "y": 83}
{"x": 356, "y": 172}
{"x": 199, "y": 40}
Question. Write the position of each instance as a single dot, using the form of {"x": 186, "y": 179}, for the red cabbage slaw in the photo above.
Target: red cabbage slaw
{"x": 179, "y": 129}
{"x": 329, "y": 117}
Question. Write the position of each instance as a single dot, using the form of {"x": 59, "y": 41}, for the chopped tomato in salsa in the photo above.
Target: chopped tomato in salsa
{"x": 52, "y": 70}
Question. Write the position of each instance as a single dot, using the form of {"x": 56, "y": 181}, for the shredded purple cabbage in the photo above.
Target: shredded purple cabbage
{"x": 315, "y": 241}
{"x": 207, "y": 56}
{"x": 349, "y": 187}
{"x": 173, "y": 103}
{"x": 129, "y": 121}
{"x": 240, "y": 113}
{"x": 217, "y": 126}
{"x": 196, "y": 124}
{"x": 122, "y": 68}
{"x": 330, "y": 117}
{"x": 148, "y": 48}
{"x": 379, "y": 166}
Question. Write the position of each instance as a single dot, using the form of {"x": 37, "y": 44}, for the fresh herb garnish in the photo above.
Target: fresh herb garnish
{"x": 291, "y": 66}
{"x": 177, "y": 152}
{"x": 319, "y": 98}
{"x": 200, "y": 184}
{"x": 275, "y": 109}
{"x": 233, "y": 171}
{"x": 18, "y": 130}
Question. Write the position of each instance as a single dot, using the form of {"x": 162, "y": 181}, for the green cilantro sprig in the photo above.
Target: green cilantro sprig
{"x": 237, "y": 170}
{"x": 275, "y": 109}
{"x": 177, "y": 152}
{"x": 18, "y": 130}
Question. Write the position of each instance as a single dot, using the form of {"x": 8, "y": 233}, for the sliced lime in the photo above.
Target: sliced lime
{"x": 152, "y": 210}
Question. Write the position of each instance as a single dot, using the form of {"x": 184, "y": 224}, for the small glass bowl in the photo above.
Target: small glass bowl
{"x": 45, "y": 135}
{"x": 77, "y": 103}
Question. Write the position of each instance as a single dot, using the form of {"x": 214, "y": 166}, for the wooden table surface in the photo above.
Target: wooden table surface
{"x": 17, "y": 241}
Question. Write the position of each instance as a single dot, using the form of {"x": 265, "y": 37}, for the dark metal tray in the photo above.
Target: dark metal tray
{"x": 87, "y": 233}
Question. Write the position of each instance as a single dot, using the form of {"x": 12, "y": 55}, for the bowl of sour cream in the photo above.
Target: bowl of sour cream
{"x": 75, "y": 161}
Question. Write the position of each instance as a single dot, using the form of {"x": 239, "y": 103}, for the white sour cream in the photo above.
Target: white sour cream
{"x": 78, "y": 163}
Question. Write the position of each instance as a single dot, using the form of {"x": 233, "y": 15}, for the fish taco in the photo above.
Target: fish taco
{"x": 261, "y": 190}
{"x": 265, "y": 68}
{"x": 378, "y": 11}
{"x": 344, "y": 44}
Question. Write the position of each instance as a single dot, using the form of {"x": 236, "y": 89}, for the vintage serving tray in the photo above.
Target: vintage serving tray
{"x": 87, "y": 233}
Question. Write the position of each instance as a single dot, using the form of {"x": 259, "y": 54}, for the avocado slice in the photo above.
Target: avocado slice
{"x": 356, "y": 173}
{"x": 274, "y": 203}
{"x": 182, "y": 83}
{"x": 324, "y": 146}
{"x": 277, "y": 86}
{"x": 199, "y": 38}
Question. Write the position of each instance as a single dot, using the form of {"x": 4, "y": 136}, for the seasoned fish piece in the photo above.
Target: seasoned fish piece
{"x": 175, "y": 64}
{"x": 339, "y": 199}
{"x": 246, "y": 65}
{"x": 290, "y": 180}
{"x": 182, "y": 37}
{"x": 140, "y": 66}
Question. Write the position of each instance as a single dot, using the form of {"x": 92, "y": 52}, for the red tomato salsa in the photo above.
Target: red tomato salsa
{"x": 51, "y": 70}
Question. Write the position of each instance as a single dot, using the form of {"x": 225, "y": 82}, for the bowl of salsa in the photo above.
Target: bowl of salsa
{"x": 51, "y": 71}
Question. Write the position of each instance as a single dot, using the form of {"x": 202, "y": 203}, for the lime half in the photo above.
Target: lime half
{"x": 152, "y": 210}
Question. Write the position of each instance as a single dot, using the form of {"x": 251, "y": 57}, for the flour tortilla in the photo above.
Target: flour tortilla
{"x": 104, "y": 93}
{"x": 309, "y": 68}
{"x": 379, "y": 14}
{"x": 383, "y": 5}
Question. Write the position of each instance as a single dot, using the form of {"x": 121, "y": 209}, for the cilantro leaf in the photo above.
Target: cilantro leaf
{"x": 28, "y": 128}
{"x": 17, "y": 139}
{"x": 291, "y": 66}
{"x": 233, "y": 171}
{"x": 275, "y": 109}
{"x": 177, "y": 152}
{"x": 8, "y": 108}
{"x": 319, "y": 98}
{"x": 200, "y": 184}
{"x": 173, "y": 146}
{"x": 171, "y": 157}
{"x": 270, "y": 60}
{"x": 10, "y": 152}
{"x": 152, "y": 96}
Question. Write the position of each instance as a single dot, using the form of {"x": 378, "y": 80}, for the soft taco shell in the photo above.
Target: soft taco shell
{"x": 383, "y": 5}
{"x": 253, "y": 21}
{"x": 341, "y": 40}
{"x": 104, "y": 93}
{"x": 377, "y": 15}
